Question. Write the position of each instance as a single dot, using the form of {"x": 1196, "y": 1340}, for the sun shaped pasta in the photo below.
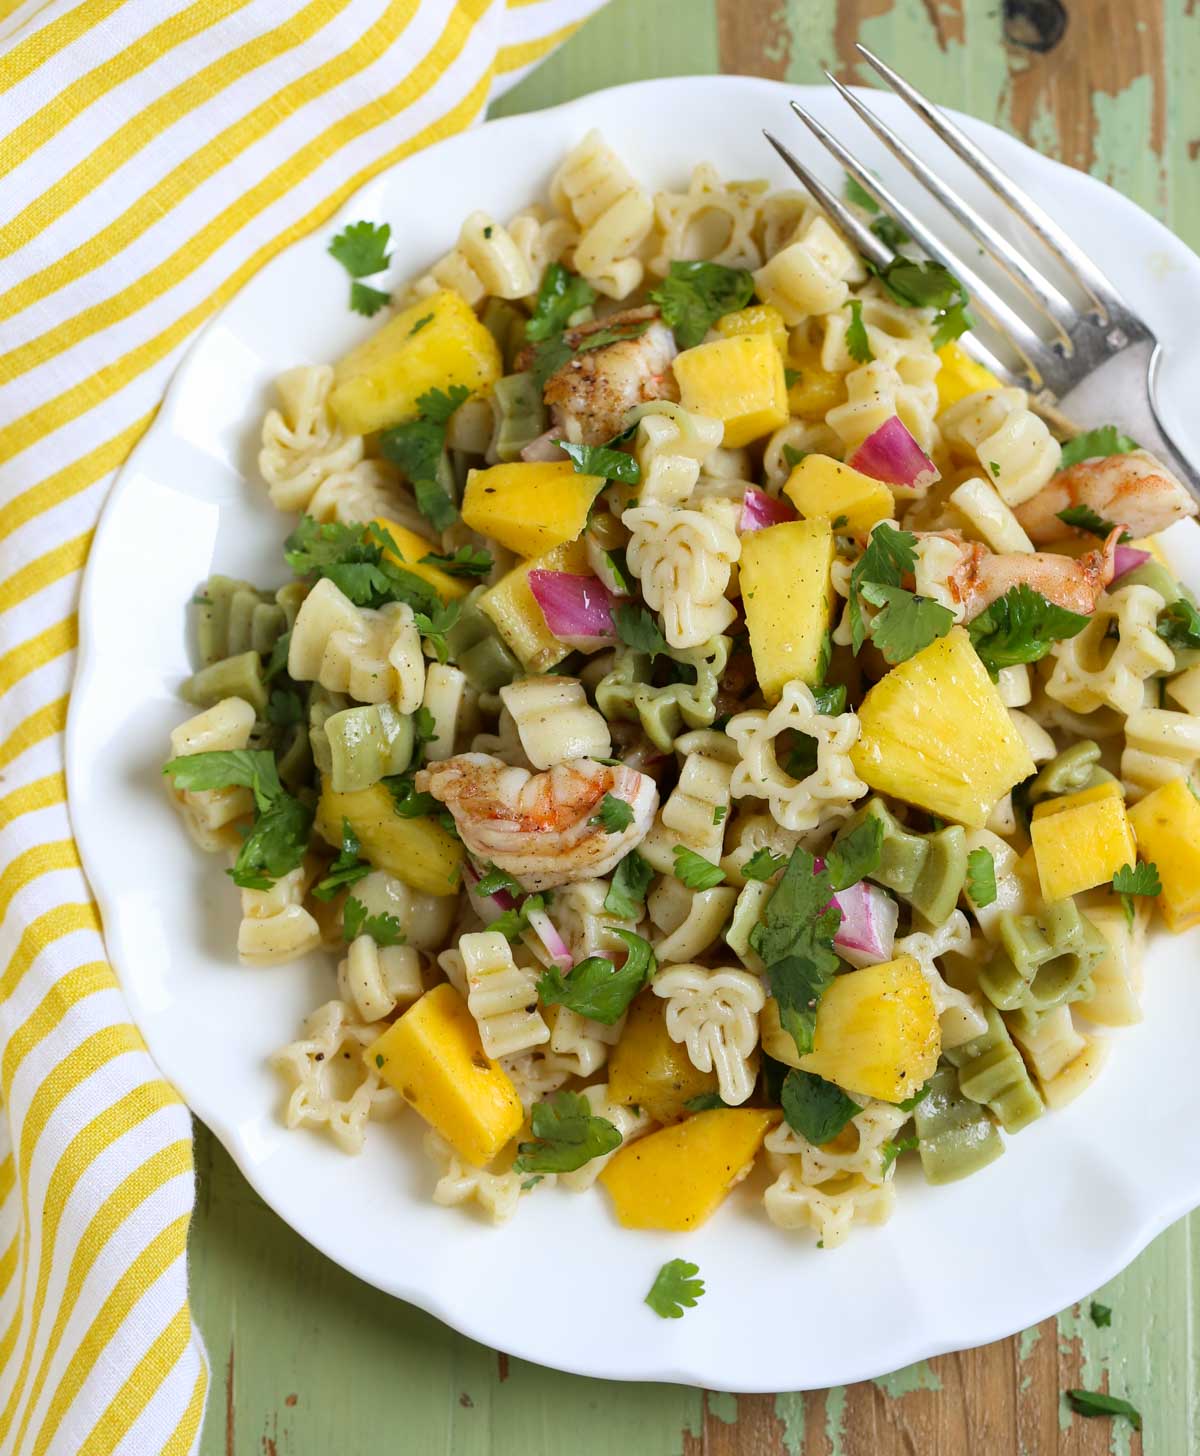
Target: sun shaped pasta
{"x": 960, "y": 1014}
{"x": 496, "y": 1194}
{"x": 714, "y": 1014}
{"x": 302, "y": 445}
{"x": 1108, "y": 663}
{"x": 829, "y": 1209}
{"x": 823, "y": 796}
{"x": 713, "y": 220}
{"x": 857, "y": 1149}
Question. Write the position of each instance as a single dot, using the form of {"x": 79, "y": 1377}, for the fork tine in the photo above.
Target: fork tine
{"x": 861, "y": 236}
{"x": 1072, "y": 257}
{"x": 1043, "y": 360}
{"x": 1058, "y": 309}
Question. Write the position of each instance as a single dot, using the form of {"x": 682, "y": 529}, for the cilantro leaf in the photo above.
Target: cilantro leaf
{"x": 352, "y": 558}
{"x": 1097, "y": 1403}
{"x": 858, "y": 196}
{"x": 705, "y": 1102}
{"x": 466, "y": 561}
{"x": 362, "y": 248}
{"x": 694, "y": 871}
{"x": 907, "y": 624}
{"x": 347, "y": 869}
{"x": 815, "y": 1108}
{"x": 1021, "y": 626}
{"x": 891, "y": 1150}
{"x": 1101, "y": 1315}
{"x": 277, "y": 661}
{"x": 792, "y": 456}
{"x": 276, "y": 844}
{"x": 830, "y": 699}
{"x": 694, "y": 295}
{"x": 435, "y": 504}
{"x": 928, "y": 285}
{"x": 407, "y": 803}
{"x": 856, "y": 854}
{"x": 1179, "y": 624}
{"x": 795, "y": 939}
{"x": 247, "y": 768}
{"x": 1137, "y": 879}
{"x": 889, "y": 232}
{"x": 512, "y": 924}
{"x": 384, "y": 929}
{"x": 560, "y": 294}
{"x": 437, "y": 405}
{"x": 614, "y": 815}
{"x": 1083, "y": 518}
{"x": 418, "y": 448}
{"x": 639, "y": 630}
{"x": 604, "y": 461}
{"x": 675, "y": 1285}
{"x": 981, "y": 877}
{"x": 919, "y": 1096}
{"x": 284, "y": 708}
{"x": 762, "y": 864}
{"x": 627, "y": 893}
{"x": 549, "y": 355}
{"x": 496, "y": 880}
{"x": 858, "y": 343}
{"x": 567, "y": 1136}
{"x": 367, "y": 300}
{"x": 595, "y": 988}
{"x": 1097, "y": 444}
{"x": 434, "y": 625}
{"x": 889, "y": 555}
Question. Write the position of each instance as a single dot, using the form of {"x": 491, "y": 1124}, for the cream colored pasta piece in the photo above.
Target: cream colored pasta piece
{"x": 714, "y": 1014}
{"x": 1014, "y": 446}
{"x": 331, "y": 1084}
{"x": 937, "y": 559}
{"x": 747, "y": 913}
{"x": 1041, "y": 746}
{"x": 824, "y": 796}
{"x": 988, "y": 517}
{"x": 211, "y": 816}
{"x": 554, "y": 720}
{"x": 1016, "y": 882}
{"x": 960, "y": 1014}
{"x": 689, "y": 921}
{"x": 375, "y": 979}
{"x": 877, "y": 391}
{"x": 1049, "y": 1044}
{"x": 365, "y": 491}
{"x": 697, "y": 806}
{"x": 1099, "y": 723}
{"x": 275, "y": 926}
{"x": 802, "y": 436}
{"x": 782, "y": 218}
{"x": 501, "y": 995}
{"x": 1015, "y": 685}
{"x": 425, "y": 920}
{"x": 894, "y": 333}
{"x": 859, "y": 1149}
{"x": 613, "y": 213}
{"x": 301, "y": 443}
{"x": 630, "y": 1122}
{"x": 496, "y": 1194}
{"x": 749, "y": 832}
{"x": 485, "y": 261}
{"x": 1184, "y": 689}
{"x": 1079, "y": 1074}
{"x": 541, "y": 239}
{"x": 471, "y": 426}
{"x": 1160, "y": 745}
{"x": 450, "y": 701}
{"x": 574, "y": 1042}
{"x": 684, "y": 559}
{"x": 1115, "y": 997}
{"x": 372, "y": 654}
{"x": 583, "y": 922}
{"x": 810, "y": 275}
{"x": 1002, "y": 819}
{"x": 536, "y": 1074}
{"x": 830, "y": 1208}
{"x": 1109, "y": 662}
{"x": 672, "y": 443}
{"x": 712, "y": 220}
{"x": 504, "y": 743}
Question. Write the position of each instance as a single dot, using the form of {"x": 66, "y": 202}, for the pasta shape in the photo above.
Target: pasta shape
{"x": 211, "y": 816}
{"x": 450, "y": 702}
{"x": 368, "y": 491}
{"x": 583, "y": 922}
{"x": 801, "y": 436}
{"x": 486, "y": 261}
{"x": 626, "y": 692}
{"x": 858, "y": 1150}
{"x": 496, "y": 1194}
{"x": 684, "y": 559}
{"x": 937, "y": 559}
{"x": 613, "y": 213}
{"x": 275, "y": 926}
{"x": 714, "y": 1014}
{"x": 987, "y": 516}
{"x": 1014, "y": 446}
{"x": 1160, "y": 745}
{"x": 541, "y": 239}
{"x": 960, "y": 1014}
{"x": 1048, "y": 1042}
{"x": 822, "y": 796}
{"x": 536, "y": 1074}
{"x": 672, "y": 445}
{"x": 1079, "y": 1074}
{"x": 501, "y": 996}
{"x": 713, "y": 220}
{"x": 692, "y": 814}
{"x": 894, "y": 333}
{"x": 372, "y": 654}
{"x": 575, "y": 1042}
{"x": 782, "y": 218}
{"x": 375, "y": 980}
{"x": 877, "y": 391}
{"x": 332, "y": 1085}
{"x": 1116, "y": 979}
{"x": 554, "y": 720}
{"x": 302, "y": 445}
{"x": 425, "y": 920}
{"x": 830, "y": 1208}
{"x": 1108, "y": 663}
{"x": 751, "y": 832}
{"x": 811, "y": 275}
{"x": 630, "y": 1122}
{"x": 689, "y": 921}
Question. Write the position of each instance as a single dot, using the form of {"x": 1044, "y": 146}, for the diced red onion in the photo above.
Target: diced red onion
{"x": 1128, "y": 558}
{"x": 488, "y": 907}
{"x": 547, "y": 932}
{"x": 892, "y": 455}
{"x": 577, "y": 609}
{"x": 868, "y": 929}
{"x": 545, "y": 447}
{"x": 760, "y": 509}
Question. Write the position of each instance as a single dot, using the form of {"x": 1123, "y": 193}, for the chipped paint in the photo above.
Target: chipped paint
{"x": 722, "y": 1406}
{"x": 790, "y": 1411}
{"x": 913, "y": 1377}
{"x": 835, "y": 1420}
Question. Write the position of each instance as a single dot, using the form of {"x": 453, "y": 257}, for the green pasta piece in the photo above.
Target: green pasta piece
{"x": 1075, "y": 768}
{"x": 628, "y": 693}
{"x": 1042, "y": 960}
{"x": 289, "y": 599}
{"x": 927, "y": 870}
{"x": 990, "y": 1070}
{"x": 232, "y": 677}
{"x": 235, "y": 617}
{"x": 367, "y": 743}
{"x": 955, "y": 1135}
{"x": 293, "y": 757}
{"x": 506, "y": 324}
{"x": 474, "y": 646}
{"x": 322, "y": 705}
{"x": 520, "y": 414}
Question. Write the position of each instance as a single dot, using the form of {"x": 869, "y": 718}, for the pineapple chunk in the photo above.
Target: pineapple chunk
{"x": 787, "y": 596}
{"x": 814, "y": 391}
{"x": 379, "y": 383}
{"x": 822, "y": 488}
{"x": 410, "y": 547}
{"x": 647, "y": 1069}
{"x": 738, "y": 381}
{"x": 530, "y": 507}
{"x": 676, "y": 1178}
{"x": 960, "y": 376}
{"x": 1167, "y": 825}
{"x": 877, "y": 1031}
{"x": 513, "y": 607}
{"x": 936, "y": 734}
{"x": 759, "y": 318}
{"x": 417, "y": 851}
{"x": 1081, "y": 840}
{"x": 433, "y": 1057}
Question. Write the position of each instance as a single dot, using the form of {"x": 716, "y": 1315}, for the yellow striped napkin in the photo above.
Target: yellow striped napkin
{"x": 153, "y": 155}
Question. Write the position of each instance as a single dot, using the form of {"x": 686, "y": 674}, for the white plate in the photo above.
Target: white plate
{"x": 1075, "y": 1197}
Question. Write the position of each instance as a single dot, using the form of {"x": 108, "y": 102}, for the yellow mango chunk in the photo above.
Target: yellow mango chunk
{"x": 529, "y": 506}
{"x": 759, "y": 318}
{"x": 410, "y": 547}
{"x": 513, "y": 607}
{"x": 813, "y": 391}
{"x": 822, "y": 488}
{"x": 433, "y": 1057}
{"x": 960, "y": 375}
{"x": 417, "y": 851}
{"x": 647, "y": 1069}
{"x": 1167, "y": 825}
{"x": 787, "y": 596}
{"x": 877, "y": 1031}
{"x": 1081, "y": 840}
{"x": 676, "y": 1178}
{"x": 935, "y": 733}
{"x": 738, "y": 381}
{"x": 379, "y": 383}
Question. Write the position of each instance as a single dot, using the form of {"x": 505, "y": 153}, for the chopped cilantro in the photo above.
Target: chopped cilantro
{"x": 614, "y": 815}
{"x": 638, "y": 629}
{"x": 384, "y": 929}
{"x": 815, "y": 1108}
{"x": 694, "y": 871}
{"x": 1179, "y": 624}
{"x": 675, "y": 1285}
{"x": 420, "y": 324}
{"x": 919, "y": 1096}
{"x": 762, "y": 864}
{"x": 705, "y": 1102}
{"x": 694, "y": 295}
{"x": 1083, "y": 518}
{"x": 434, "y": 625}
{"x": 595, "y": 988}
{"x": 1101, "y": 1315}
{"x": 1021, "y": 626}
{"x": 560, "y": 295}
{"x": 1097, "y": 1403}
{"x": 856, "y": 854}
{"x": 857, "y": 342}
{"x": 352, "y": 557}
{"x": 892, "y": 1149}
{"x": 981, "y": 877}
{"x": 347, "y": 869}
{"x": 418, "y": 448}
{"x": 1096, "y": 445}
{"x": 795, "y": 939}
{"x": 907, "y": 623}
{"x": 1135, "y": 879}
{"x": 362, "y": 249}
{"x": 604, "y": 461}
{"x": 567, "y": 1136}
{"x": 466, "y": 561}
{"x": 496, "y": 880}
{"x": 627, "y": 893}
{"x": 792, "y": 456}
{"x": 928, "y": 285}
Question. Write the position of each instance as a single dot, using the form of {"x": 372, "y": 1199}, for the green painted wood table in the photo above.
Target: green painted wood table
{"x": 309, "y": 1362}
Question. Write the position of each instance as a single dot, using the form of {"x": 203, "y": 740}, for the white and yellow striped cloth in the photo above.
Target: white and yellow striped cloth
{"x": 153, "y": 155}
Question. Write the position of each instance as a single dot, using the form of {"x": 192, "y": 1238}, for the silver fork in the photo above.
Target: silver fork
{"x": 1088, "y": 361}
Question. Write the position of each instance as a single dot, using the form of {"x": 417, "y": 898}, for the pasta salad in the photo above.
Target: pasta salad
{"x": 711, "y": 720}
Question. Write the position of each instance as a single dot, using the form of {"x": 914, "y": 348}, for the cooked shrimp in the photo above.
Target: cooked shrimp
{"x": 593, "y": 392}
{"x": 539, "y": 827}
{"x": 1133, "y": 490}
{"x": 982, "y": 576}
